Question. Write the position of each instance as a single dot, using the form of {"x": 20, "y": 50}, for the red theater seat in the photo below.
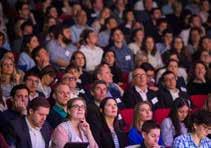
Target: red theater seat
{"x": 127, "y": 115}
{"x": 161, "y": 114}
{"x": 198, "y": 100}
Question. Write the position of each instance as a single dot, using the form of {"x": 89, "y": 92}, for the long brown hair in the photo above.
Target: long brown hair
{"x": 136, "y": 115}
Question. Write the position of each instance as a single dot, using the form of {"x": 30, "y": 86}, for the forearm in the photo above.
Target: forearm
{"x": 92, "y": 143}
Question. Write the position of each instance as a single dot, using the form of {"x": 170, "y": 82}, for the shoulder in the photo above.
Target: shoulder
{"x": 182, "y": 139}
{"x": 23, "y": 55}
{"x": 166, "y": 122}
{"x": 63, "y": 127}
{"x": 83, "y": 48}
{"x": 133, "y": 131}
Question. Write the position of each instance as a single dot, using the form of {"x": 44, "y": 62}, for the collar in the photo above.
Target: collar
{"x": 140, "y": 90}
{"x": 172, "y": 91}
{"x": 30, "y": 127}
{"x": 97, "y": 103}
{"x": 60, "y": 110}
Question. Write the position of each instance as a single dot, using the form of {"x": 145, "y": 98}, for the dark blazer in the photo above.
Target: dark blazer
{"x": 104, "y": 137}
{"x": 55, "y": 119}
{"x": 93, "y": 118}
{"x": 131, "y": 97}
{"x": 165, "y": 98}
{"x": 21, "y": 134}
{"x": 6, "y": 117}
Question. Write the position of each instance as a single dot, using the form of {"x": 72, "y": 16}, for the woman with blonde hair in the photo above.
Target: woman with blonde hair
{"x": 142, "y": 112}
{"x": 9, "y": 75}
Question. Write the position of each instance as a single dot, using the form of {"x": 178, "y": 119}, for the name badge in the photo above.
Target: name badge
{"x": 118, "y": 100}
{"x": 183, "y": 89}
{"x": 119, "y": 117}
{"x": 154, "y": 100}
{"x": 67, "y": 53}
{"x": 128, "y": 57}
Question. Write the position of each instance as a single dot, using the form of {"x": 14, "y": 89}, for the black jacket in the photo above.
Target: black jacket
{"x": 166, "y": 99}
{"x": 131, "y": 97}
{"x": 21, "y": 136}
{"x": 103, "y": 136}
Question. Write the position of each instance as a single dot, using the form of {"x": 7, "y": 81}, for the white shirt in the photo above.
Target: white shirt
{"x": 139, "y": 5}
{"x": 134, "y": 47}
{"x": 142, "y": 93}
{"x": 155, "y": 60}
{"x": 174, "y": 94}
{"x": 36, "y": 137}
{"x": 93, "y": 56}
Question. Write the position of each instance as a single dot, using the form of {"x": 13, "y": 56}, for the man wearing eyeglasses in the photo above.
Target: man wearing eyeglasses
{"x": 139, "y": 91}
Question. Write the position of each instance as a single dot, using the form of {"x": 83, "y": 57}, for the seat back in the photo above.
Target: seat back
{"x": 161, "y": 114}
{"x": 198, "y": 100}
{"x": 127, "y": 115}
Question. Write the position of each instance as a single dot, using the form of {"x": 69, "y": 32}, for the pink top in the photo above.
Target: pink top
{"x": 64, "y": 133}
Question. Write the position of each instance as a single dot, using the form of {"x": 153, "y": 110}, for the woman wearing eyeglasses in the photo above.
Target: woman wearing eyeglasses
{"x": 76, "y": 129}
{"x": 199, "y": 129}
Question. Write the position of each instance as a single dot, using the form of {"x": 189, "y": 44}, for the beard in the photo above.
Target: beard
{"x": 66, "y": 40}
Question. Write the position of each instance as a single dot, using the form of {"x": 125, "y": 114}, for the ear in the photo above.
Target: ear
{"x": 30, "y": 111}
{"x": 99, "y": 77}
{"x": 36, "y": 58}
{"x": 54, "y": 95}
{"x": 92, "y": 93}
{"x": 144, "y": 134}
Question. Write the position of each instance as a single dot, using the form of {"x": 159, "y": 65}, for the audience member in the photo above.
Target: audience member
{"x": 139, "y": 91}
{"x": 142, "y": 113}
{"x": 109, "y": 134}
{"x": 58, "y": 112}
{"x": 177, "y": 122}
{"x": 76, "y": 129}
{"x": 199, "y": 127}
{"x": 32, "y": 130}
{"x": 61, "y": 49}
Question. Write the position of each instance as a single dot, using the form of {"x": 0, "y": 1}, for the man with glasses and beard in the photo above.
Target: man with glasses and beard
{"x": 60, "y": 49}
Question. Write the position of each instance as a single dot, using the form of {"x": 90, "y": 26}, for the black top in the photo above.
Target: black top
{"x": 199, "y": 88}
{"x": 21, "y": 136}
{"x": 131, "y": 97}
{"x": 103, "y": 136}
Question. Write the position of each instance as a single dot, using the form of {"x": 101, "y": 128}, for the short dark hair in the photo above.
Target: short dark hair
{"x": 98, "y": 70}
{"x": 36, "y": 51}
{"x": 19, "y": 5}
{"x": 200, "y": 117}
{"x": 30, "y": 73}
{"x": 97, "y": 82}
{"x": 59, "y": 29}
{"x": 26, "y": 23}
{"x": 149, "y": 125}
{"x": 147, "y": 66}
{"x": 71, "y": 66}
{"x": 16, "y": 88}
{"x": 38, "y": 102}
{"x": 166, "y": 73}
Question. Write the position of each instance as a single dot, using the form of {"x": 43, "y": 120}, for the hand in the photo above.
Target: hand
{"x": 17, "y": 78}
{"x": 156, "y": 146}
{"x": 84, "y": 126}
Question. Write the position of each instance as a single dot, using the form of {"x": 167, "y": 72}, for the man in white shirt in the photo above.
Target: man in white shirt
{"x": 32, "y": 131}
{"x": 168, "y": 92}
{"x": 140, "y": 91}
